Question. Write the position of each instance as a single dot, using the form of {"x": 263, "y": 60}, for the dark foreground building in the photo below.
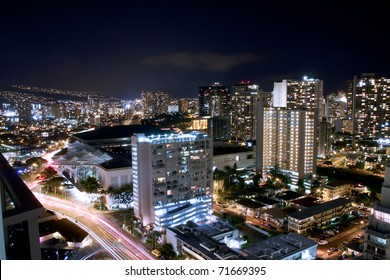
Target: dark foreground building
{"x": 19, "y": 239}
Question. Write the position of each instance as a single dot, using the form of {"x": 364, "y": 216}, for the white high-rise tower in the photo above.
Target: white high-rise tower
{"x": 172, "y": 177}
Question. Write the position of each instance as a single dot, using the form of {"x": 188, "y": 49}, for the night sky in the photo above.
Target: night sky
{"x": 121, "y": 48}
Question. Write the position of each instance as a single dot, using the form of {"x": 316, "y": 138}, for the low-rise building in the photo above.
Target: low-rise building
{"x": 352, "y": 159}
{"x": 80, "y": 161}
{"x": 335, "y": 190}
{"x": 277, "y": 216}
{"x": 232, "y": 156}
{"x": 370, "y": 163}
{"x": 317, "y": 216}
{"x": 291, "y": 246}
{"x": 249, "y": 207}
{"x": 287, "y": 197}
{"x": 304, "y": 202}
{"x": 203, "y": 242}
{"x": 114, "y": 173}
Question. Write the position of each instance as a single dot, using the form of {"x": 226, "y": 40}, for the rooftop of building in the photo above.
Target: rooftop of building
{"x": 116, "y": 163}
{"x": 78, "y": 152}
{"x": 268, "y": 186}
{"x": 339, "y": 183}
{"x": 211, "y": 229}
{"x": 222, "y": 148}
{"x": 288, "y": 195}
{"x": 248, "y": 192}
{"x": 279, "y": 247}
{"x": 178, "y": 209}
{"x": 266, "y": 200}
{"x": 189, "y": 233}
{"x": 66, "y": 228}
{"x": 280, "y": 213}
{"x": 117, "y": 132}
{"x": 17, "y": 197}
{"x": 215, "y": 228}
{"x": 307, "y": 201}
{"x": 309, "y": 212}
{"x": 250, "y": 203}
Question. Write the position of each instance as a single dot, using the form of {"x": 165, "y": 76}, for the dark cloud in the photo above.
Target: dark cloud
{"x": 202, "y": 61}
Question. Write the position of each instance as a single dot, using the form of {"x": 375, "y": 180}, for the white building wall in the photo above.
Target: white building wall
{"x": 280, "y": 94}
{"x": 241, "y": 159}
{"x": 142, "y": 181}
{"x": 172, "y": 178}
{"x": 122, "y": 176}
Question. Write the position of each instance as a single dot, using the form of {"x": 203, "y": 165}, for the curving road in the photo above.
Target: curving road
{"x": 107, "y": 233}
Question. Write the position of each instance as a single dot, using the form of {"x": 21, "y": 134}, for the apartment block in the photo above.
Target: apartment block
{"x": 172, "y": 178}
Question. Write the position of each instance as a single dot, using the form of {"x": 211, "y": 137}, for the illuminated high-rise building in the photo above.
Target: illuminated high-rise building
{"x": 219, "y": 128}
{"x": 336, "y": 107}
{"x": 58, "y": 111}
{"x": 306, "y": 94}
{"x": 287, "y": 139}
{"x": 369, "y": 106}
{"x": 183, "y": 105}
{"x": 215, "y": 105}
{"x": 377, "y": 233}
{"x": 245, "y": 99}
{"x": 172, "y": 178}
{"x": 214, "y": 101}
{"x": 154, "y": 103}
{"x": 24, "y": 111}
{"x": 324, "y": 140}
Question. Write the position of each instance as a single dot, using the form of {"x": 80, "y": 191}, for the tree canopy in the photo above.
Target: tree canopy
{"x": 90, "y": 185}
{"x": 35, "y": 160}
{"x": 49, "y": 173}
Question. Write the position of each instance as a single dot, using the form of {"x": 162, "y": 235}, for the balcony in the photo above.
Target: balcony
{"x": 375, "y": 255}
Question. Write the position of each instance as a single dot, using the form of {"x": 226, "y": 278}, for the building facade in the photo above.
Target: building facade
{"x": 302, "y": 95}
{"x": 318, "y": 216}
{"x": 377, "y": 233}
{"x": 291, "y": 246}
{"x": 288, "y": 140}
{"x": 306, "y": 94}
{"x": 155, "y": 103}
{"x": 220, "y": 127}
{"x": 19, "y": 238}
{"x": 245, "y": 99}
{"x": 214, "y": 101}
{"x": 115, "y": 173}
{"x": 333, "y": 191}
{"x": 172, "y": 178}
{"x": 324, "y": 138}
{"x": 368, "y": 100}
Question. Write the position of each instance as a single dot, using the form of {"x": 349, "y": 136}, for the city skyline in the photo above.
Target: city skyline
{"x": 121, "y": 49}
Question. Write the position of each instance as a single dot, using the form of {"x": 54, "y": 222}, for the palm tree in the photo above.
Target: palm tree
{"x": 301, "y": 186}
{"x": 316, "y": 188}
{"x": 90, "y": 185}
{"x": 53, "y": 183}
{"x": 49, "y": 173}
{"x": 35, "y": 161}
